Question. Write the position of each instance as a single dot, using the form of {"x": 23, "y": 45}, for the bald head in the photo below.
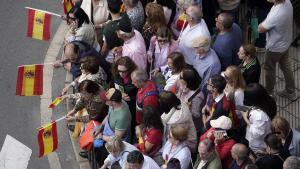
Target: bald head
{"x": 71, "y": 52}
{"x": 195, "y": 12}
{"x": 239, "y": 151}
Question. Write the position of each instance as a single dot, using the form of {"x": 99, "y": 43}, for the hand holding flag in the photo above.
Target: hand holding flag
{"x": 55, "y": 102}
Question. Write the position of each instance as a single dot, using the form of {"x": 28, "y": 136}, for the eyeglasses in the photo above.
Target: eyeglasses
{"x": 162, "y": 40}
{"x": 277, "y": 132}
{"x": 122, "y": 71}
{"x": 209, "y": 84}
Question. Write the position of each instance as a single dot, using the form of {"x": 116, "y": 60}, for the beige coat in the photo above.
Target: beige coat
{"x": 182, "y": 117}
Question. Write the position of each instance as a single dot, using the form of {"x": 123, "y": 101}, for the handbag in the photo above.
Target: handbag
{"x": 86, "y": 140}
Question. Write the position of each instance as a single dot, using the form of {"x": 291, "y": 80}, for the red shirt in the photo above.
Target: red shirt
{"x": 151, "y": 100}
{"x": 223, "y": 149}
{"x": 224, "y": 152}
{"x": 153, "y": 136}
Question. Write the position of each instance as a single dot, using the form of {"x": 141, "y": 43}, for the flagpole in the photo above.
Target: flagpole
{"x": 63, "y": 117}
{"x": 51, "y": 13}
{"x": 182, "y": 29}
{"x": 50, "y": 63}
{"x": 150, "y": 70}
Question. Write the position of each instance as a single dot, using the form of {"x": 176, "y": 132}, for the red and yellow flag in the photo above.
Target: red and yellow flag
{"x": 30, "y": 80}
{"x": 55, "y": 102}
{"x": 123, "y": 8}
{"x": 38, "y": 25}
{"x": 68, "y": 5}
{"x": 47, "y": 138}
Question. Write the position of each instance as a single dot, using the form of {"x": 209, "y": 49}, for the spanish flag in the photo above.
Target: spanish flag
{"x": 55, "y": 102}
{"x": 30, "y": 80}
{"x": 47, "y": 138}
{"x": 68, "y": 5}
{"x": 38, "y": 25}
{"x": 123, "y": 8}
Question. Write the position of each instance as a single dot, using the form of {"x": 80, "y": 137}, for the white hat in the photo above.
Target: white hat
{"x": 222, "y": 122}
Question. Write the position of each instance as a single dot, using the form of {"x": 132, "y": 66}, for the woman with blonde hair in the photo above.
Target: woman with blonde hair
{"x": 155, "y": 18}
{"x": 235, "y": 86}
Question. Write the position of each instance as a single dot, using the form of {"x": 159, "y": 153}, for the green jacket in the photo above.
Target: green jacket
{"x": 213, "y": 163}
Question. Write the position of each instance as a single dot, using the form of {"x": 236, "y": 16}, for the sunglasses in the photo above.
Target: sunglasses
{"x": 162, "y": 40}
{"x": 122, "y": 71}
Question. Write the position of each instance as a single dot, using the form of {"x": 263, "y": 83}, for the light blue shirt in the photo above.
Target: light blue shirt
{"x": 186, "y": 38}
{"x": 207, "y": 65}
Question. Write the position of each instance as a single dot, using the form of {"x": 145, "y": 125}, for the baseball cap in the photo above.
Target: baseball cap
{"x": 222, "y": 122}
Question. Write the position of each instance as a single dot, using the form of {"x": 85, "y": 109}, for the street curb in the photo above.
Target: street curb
{"x": 46, "y": 98}
{"x": 83, "y": 163}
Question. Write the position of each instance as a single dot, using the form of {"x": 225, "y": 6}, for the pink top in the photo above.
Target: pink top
{"x": 162, "y": 53}
{"x": 135, "y": 49}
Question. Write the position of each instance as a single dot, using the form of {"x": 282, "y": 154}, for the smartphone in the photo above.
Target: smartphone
{"x": 242, "y": 108}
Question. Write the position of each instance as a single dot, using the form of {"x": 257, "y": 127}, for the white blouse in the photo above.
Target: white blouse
{"x": 260, "y": 126}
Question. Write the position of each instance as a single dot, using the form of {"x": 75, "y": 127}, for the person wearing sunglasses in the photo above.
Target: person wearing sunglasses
{"x": 290, "y": 137}
{"x": 161, "y": 45}
{"x": 121, "y": 71}
{"x": 82, "y": 28}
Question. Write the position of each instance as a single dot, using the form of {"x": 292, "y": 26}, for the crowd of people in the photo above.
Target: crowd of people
{"x": 171, "y": 84}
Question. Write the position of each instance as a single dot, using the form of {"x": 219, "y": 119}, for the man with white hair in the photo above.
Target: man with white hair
{"x": 206, "y": 61}
{"x": 291, "y": 162}
{"x": 196, "y": 27}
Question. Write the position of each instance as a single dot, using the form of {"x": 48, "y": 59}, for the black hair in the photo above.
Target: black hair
{"x": 114, "y": 6}
{"x": 100, "y": 112}
{"x": 227, "y": 20}
{"x": 171, "y": 5}
{"x": 90, "y": 64}
{"x": 256, "y": 95}
{"x": 151, "y": 118}
{"x": 192, "y": 78}
{"x": 273, "y": 141}
{"x": 116, "y": 96}
{"x": 178, "y": 61}
{"x": 168, "y": 100}
{"x": 89, "y": 87}
{"x": 80, "y": 15}
{"x": 173, "y": 163}
{"x": 135, "y": 157}
{"x": 218, "y": 82}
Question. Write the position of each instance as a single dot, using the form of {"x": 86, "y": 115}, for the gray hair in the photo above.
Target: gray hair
{"x": 140, "y": 75}
{"x": 196, "y": 12}
{"x": 291, "y": 162}
{"x": 210, "y": 146}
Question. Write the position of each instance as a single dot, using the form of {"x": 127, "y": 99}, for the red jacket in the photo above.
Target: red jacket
{"x": 146, "y": 96}
{"x": 224, "y": 149}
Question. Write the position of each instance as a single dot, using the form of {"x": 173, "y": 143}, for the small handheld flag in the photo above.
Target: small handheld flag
{"x": 47, "y": 138}
{"x": 68, "y": 5}
{"x": 30, "y": 80}
{"x": 38, "y": 24}
{"x": 55, "y": 102}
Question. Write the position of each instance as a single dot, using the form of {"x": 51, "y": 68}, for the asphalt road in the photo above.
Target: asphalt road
{"x": 21, "y": 116}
